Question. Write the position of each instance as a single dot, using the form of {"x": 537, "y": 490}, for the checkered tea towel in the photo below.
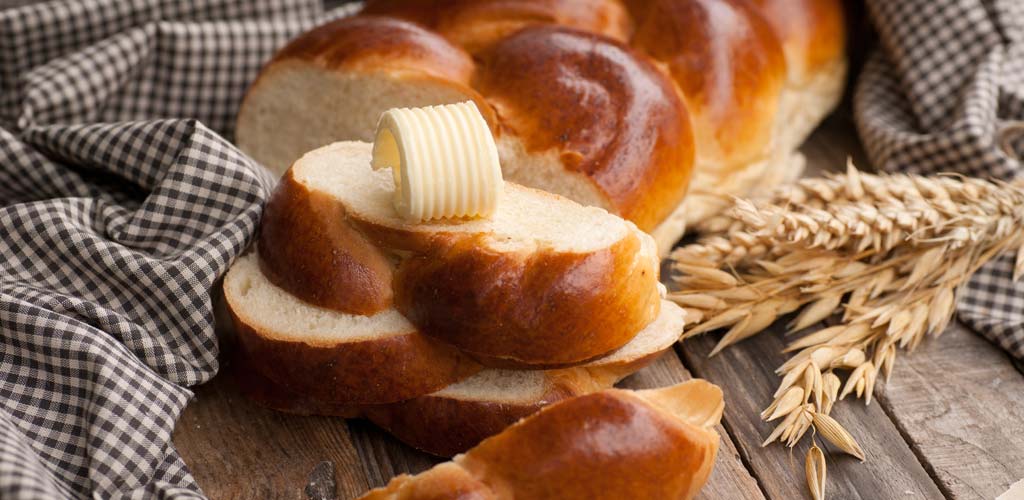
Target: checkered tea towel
{"x": 120, "y": 206}
{"x": 944, "y": 92}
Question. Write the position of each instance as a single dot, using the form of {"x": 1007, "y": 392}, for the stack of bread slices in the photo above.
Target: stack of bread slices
{"x": 443, "y": 332}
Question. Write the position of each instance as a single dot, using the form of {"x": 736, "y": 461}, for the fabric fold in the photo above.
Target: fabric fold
{"x": 121, "y": 205}
{"x": 944, "y": 93}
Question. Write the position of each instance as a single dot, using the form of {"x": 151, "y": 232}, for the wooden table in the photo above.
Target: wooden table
{"x": 950, "y": 423}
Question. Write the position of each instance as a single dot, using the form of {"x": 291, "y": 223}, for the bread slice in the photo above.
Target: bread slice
{"x": 542, "y": 282}
{"x": 457, "y": 417}
{"x": 334, "y": 82}
{"x": 331, "y": 356}
{"x": 613, "y": 444}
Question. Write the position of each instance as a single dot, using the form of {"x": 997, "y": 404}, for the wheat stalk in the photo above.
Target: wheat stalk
{"x": 888, "y": 252}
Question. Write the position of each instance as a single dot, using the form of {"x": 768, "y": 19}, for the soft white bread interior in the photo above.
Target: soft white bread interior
{"x": 296, "y": 106}
{"x": 528, "y": 220}
{"x": 277, "y": 128}
{"x": 611, "y": 444}
{"x": 542, "y": 282}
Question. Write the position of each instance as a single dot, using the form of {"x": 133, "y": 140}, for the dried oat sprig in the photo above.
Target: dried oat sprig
{"x": 859, "y": 211}
{"x": 887, "y": 252}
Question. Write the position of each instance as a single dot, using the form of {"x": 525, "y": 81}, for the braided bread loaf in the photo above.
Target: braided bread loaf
{"x": 609, "y": 103}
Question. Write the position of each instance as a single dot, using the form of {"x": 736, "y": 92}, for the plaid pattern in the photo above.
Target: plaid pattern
{"x": 121, "y": 204}
{"x": 945, "y": 93}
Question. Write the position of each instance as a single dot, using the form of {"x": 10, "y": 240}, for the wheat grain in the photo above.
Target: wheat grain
{"x": 830, "y": 384}
{"x": 817, "y": 311}
{"x": 888, "y": 252}
{"x": 1018, "y": 267}
{"x": 697, "y": 300}
{"x": 787, "y": 403}
{"x": 834, "y": 433}
{"x": 814, "y": 469}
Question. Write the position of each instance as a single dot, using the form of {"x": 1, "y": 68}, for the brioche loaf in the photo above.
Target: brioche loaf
{"x": 612, "y": 444}
{"x": 348, "y": 308}
{"x": 609, "y": 103}
{"x": 544, "y": 282}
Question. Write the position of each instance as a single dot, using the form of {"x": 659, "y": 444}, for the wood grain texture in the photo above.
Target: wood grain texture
{"x": 960, "y": 402}
{"x": 239, "y": 450}
{"x": 746, "y": 373}
{"x": 383, "y": 457}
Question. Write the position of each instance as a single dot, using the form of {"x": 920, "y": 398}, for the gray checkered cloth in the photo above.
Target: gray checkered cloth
{"x": 121, "y": 204}
{"x": 944, "y": 92}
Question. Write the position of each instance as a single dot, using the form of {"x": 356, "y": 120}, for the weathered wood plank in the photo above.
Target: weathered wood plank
{"x": 239, "y": 450}
{"x": 960, "y": 402}
{"x": 746, "y": 372}
{"x": 730, "y": 478}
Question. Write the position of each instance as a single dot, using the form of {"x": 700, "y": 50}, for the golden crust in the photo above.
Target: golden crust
{"x": 599, "y": 446}
{"x": 436, "y": 423}
{"x": 366, "y": 43}
{"x": 444, "y": 426}
{"x": 546, "y": 308}
{"x": 446, "y": 481}
{"x": 308, "y": 250}
{"x": 608, "y": 445}
{"x": 537, "y": 309}
{"x": 730, "y": 68}
{"x": 812, "y": 32}
{"x": 374, "y": 371}
{"x": 607, "y": 111}
{"x": 477, "y": 24}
